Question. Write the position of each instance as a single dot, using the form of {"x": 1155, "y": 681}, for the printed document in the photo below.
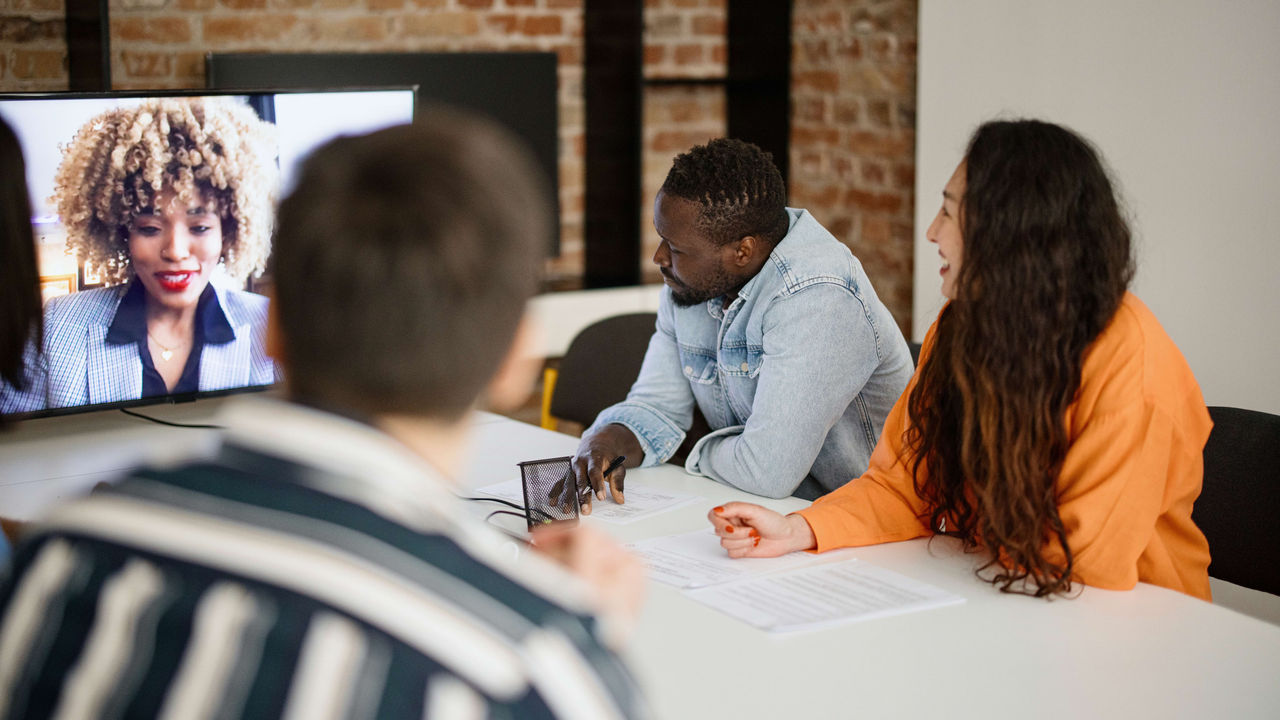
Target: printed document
{"x": 696, "y": 560}
{"x": 822, "y": 595}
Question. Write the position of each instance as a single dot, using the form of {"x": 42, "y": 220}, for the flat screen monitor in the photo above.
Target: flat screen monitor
{"x": 152, "y": 214}
{"x": 515, "y": 89}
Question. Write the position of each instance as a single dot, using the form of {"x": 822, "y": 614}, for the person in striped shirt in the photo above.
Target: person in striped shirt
{"x": 318, "y": 566}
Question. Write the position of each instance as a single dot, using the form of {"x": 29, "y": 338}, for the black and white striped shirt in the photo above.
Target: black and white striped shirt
{"x": 314, "y": 569}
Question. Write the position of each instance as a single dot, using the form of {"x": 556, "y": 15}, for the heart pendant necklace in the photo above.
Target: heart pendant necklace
{"x": 165, "y": 352}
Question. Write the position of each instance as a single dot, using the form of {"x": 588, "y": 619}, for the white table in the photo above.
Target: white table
{"x": 1145, "y": 653}
{"x": 1149, "y": 652}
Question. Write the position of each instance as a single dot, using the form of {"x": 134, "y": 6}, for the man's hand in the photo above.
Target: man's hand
{"x": 595, "y": 453}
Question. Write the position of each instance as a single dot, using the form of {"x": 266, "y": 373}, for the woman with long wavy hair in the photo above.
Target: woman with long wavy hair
{"x": 1052, "y": 423}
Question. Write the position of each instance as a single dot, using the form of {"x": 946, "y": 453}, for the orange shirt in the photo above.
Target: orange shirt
{"x": 1137, "y": 431}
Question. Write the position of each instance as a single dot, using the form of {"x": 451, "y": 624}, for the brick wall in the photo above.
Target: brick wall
{"x": 853, "y": 74}
{"x": 33, "y": 45}
{"x": 853, "y": 100}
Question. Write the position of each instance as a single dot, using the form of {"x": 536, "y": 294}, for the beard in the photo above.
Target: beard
{"x": 687, "y": 295}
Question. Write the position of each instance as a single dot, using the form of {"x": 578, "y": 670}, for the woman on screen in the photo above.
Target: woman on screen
{"x": 170, "y": 202}
{"x": 1051, "y": 424}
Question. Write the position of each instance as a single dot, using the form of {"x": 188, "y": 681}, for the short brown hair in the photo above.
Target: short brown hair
{"x": 403, "y": 261}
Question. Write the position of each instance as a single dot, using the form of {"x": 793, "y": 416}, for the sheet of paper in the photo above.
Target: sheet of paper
{"x": 641, "y": 502}
{"x": 696, "y": 559}
{"x": 822, "y": 595}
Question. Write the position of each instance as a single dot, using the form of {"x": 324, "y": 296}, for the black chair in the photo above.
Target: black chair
{"x": 1239, "y": 507}
{"x": 597, "y": 370}
{"x": 915, "y": 353}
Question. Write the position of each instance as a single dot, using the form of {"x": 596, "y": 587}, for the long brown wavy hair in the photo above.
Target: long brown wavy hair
{"x": 1046, "y": 262}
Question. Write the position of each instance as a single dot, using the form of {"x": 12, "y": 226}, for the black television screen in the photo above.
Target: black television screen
{"x": 516, "y": 89}
{"x": 152, "y": 213}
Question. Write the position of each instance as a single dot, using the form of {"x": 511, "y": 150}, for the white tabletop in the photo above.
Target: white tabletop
{"x": 1148, "y": 652}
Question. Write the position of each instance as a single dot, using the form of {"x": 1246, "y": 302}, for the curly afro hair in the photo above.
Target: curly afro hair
{"x": 739, "y": 189}
{"x": 210, "y": 149}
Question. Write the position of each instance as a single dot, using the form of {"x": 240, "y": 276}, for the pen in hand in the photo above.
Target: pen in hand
{"x": 614, "y": 464}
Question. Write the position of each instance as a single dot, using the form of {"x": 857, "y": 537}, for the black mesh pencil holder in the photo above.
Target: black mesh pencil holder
{"x": 541, "y": 479}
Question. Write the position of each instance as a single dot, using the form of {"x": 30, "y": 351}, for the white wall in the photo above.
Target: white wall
{"x": 1183, "y": 99}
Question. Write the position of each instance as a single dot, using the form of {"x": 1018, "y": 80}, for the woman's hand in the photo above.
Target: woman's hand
{"x": 748, "y": 530}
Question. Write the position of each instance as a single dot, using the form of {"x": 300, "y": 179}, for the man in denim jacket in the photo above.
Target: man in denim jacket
{"x": 769, "y": 324}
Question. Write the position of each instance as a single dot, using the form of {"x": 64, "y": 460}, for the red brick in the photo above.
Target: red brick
{"x": 476, "y": 4}
{"x": 688, "y": 54}
{"x": 847, "y": 48}
{"x": 893, "y": 144}
{"x": 823, "y": 80}
{"x": 244, "y": 4}
{"x": 504, "y": 23}
{"x": 39, "y": 64}
{"x": 363, "y": 29}
{"x": 196, "y": 4}
{"x": 663, "y": 25}
{"x": 720, "y": 53}
{"x": 189, "y": 66}
{"x": 25, "y": 30}
{"x": 542, "y": 25}
{"x": 815, "y": 51}
{"x": 904, "y": 175}
{"x": 38, "y": 5}
{"x": 810, "y": 163}
{"x": 843, "y": 166}
{"x": 883, "y": 47}
{"x": 440, "y": 24}
{"x": 874, "y": 173}
{"x": 239, "y": 29}
{"x": 569, "y": 54}
{"x": 825, "y": 135}
{"x": 810, "y": 109}
{"x": 677, "y": 140}
{"x": 147, "y": 64}
{"x": 848, "y": 111}
{"x": 875, "y": 229}
{"x": 654, "y": 54}
{"x": 380, "y": 5}
{"x": 429, "y": 4}
{"x": 709, "y": 25}
{"x": 575, "y": 4}
{"x": 153, "y": 30}
{"x": 521, "y": 3}
{"x": 880, "y": 113}
{"x": 889, "y": 202}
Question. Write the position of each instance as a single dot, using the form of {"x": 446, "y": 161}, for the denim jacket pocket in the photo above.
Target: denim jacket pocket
{"x": 699, "y": 365}
{"x": 741, "y": 360}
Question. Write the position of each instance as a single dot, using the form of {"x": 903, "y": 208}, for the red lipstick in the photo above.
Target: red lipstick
{"x": 174, "y": 282}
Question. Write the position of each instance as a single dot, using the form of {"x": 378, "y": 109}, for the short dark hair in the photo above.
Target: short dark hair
{"x": 21, "y": 313}
{"x": 403, "y": 261}
{"x": 739, "y": 189}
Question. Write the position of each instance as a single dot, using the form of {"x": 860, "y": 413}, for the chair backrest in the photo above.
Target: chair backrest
{"x": 600, "y": 366}
{"x": 1239, "y": 508}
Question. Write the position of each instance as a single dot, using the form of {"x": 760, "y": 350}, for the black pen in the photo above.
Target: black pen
{"x": 613, "y": 465}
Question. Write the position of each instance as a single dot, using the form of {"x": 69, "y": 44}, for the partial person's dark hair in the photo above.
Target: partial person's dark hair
{"x": 1046, "y": 261}
{"x": 21, "y": 307}
{"x": 403, "y": 262}
{"x": 739, "y": 189}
